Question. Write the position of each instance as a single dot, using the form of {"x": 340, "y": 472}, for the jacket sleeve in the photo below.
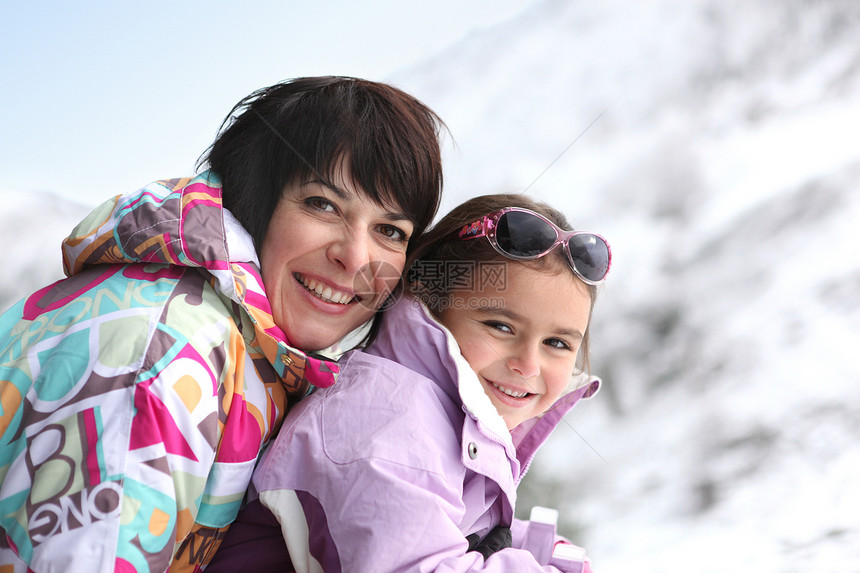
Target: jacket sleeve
{"x": 361, "y": 512}
{"x": 538, "y": 536}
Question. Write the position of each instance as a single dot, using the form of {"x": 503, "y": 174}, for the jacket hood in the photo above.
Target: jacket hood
{"x": 182, "y": 222}
{"x": 433, "y": 353}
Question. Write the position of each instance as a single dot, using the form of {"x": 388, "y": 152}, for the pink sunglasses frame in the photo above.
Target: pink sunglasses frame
{"x": 486, "y": 227}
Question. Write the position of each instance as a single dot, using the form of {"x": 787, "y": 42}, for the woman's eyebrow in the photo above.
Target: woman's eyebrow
{"x": 341, "y": 193}
{"x": 346, "y": 196}
{"x": 395, "y": 216}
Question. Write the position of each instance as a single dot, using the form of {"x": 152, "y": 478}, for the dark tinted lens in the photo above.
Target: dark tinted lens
{"x": 523, "y": 234}
{"x": 590, "y": 256}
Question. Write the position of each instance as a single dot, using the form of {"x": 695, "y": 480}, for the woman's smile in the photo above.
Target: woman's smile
{"x": 325, "y": 292}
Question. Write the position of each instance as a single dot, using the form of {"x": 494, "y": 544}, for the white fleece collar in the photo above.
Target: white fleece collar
{"x": 472, "y": 393}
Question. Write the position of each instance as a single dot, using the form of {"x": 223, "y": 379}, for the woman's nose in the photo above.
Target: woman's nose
{"x": 351, "y": 250}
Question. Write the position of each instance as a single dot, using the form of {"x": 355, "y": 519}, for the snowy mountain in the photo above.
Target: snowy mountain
{"x": 723, "y": 164}
{"x": 715, "y": 143}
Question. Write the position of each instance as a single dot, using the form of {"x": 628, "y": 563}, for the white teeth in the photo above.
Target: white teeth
{"x": 325, "y": 292}
{"x": 340, "y": 299}
{"x": 510, "y": 392}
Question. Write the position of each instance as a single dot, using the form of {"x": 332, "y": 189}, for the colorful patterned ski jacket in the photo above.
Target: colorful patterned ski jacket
{"x": 137, "y": 394}
{"x": 394, "y": 467}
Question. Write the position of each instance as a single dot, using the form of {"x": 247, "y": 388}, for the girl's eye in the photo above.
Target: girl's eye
{"x": 394, "y": 233}
{"x": 321, "y": 204}
{"x": 558, "y": 343}
{"x": 501, "y": 326}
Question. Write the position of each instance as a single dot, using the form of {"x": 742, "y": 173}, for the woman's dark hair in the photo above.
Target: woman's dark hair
{"x": 305, "y": 128}
{"x": 441, "y": 244}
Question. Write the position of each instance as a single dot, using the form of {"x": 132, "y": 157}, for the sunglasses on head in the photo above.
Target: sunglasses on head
{"x": 524, "y": 235}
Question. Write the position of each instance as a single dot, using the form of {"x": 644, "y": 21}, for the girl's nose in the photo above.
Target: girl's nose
{"x": 525, "y": 361}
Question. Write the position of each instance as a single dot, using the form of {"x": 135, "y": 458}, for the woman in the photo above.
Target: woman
{"x": 411, "y": 462}
{"x": 137, "y": 393}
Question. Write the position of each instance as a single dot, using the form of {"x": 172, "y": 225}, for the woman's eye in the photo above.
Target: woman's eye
{"x": 558, "y": 343}
{"x": 321, "y": 204}
{"x": 392, "y": 232}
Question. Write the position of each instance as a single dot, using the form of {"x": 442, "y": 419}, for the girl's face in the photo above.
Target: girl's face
{"x": 522, "y": 340}
{"x": 329, "y": 259}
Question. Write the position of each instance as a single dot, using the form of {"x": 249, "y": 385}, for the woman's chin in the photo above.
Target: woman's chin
{"x": 321, "y": 337}
{"x": 312, "y": 342}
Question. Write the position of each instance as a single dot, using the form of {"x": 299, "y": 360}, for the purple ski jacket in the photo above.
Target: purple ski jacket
{"x": 395, "y": 465}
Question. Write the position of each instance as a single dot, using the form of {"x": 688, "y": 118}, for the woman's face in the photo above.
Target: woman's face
{"x": 522, "y": 340}
{"x": 330, "y": 258}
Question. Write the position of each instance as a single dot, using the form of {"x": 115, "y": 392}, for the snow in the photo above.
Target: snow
{"x": 724, "y": 170}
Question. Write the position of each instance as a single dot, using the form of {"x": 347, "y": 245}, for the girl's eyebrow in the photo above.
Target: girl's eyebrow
{"x": 516, "y": 317}
{"x": 573, "y": 333}
{"x": 498, "y": 310}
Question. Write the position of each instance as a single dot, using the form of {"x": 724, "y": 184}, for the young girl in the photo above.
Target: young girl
{"x": 411, "y": 461}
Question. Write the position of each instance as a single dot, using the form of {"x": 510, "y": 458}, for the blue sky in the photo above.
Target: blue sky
{"x": 102, "y": 99}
